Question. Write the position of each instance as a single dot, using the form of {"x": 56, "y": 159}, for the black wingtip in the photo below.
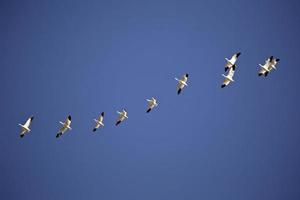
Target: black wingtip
{"x": 102, "y": 114}
{"x": 277, "y": 60}
{"x": 94, "y": 129}
{"x": 266, "y": 74}
{"x": 118, "y": 122}
{"x": 148, "y": 110}
{"x": 69, "y": 117}
{"x": 223, "y": 85}
{"x": 179, "y": 91}
{"x": 31, "y": 118}
{"x": 238, "y": 54}
{"x": 21, "y": 136}
{"x": 233, "y": 67}
{"x": 259, "y": 74}
{"x": 271, "y": 57}
{"x": 58, "y": 135}
{"x": 226, "y": 68}
{"x": 186, "y": 75}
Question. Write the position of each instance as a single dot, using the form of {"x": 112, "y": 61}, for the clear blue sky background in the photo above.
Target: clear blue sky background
{"x": 84, "y": 57}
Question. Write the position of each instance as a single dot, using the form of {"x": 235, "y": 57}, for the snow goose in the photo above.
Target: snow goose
{"x": 65, "y": 126}
{"x": 182, "y": 83}
{"x": 122, "y": 116}
{"x": 151, "y": 104}
{"x": 25, "y": 127}
{"x": 99, "y": 122}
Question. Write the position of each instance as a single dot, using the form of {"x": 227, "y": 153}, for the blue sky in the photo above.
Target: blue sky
{"x": 84, "y": 57}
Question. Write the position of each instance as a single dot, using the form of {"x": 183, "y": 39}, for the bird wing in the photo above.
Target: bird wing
{"x": 184, "y": 78}
{"x": 68, "y": 121}
{"x": 28, "y": 122}
{"x": 233, "y": 59}
{"x": 100, "y": 119}
{"x": 273, "y": 62}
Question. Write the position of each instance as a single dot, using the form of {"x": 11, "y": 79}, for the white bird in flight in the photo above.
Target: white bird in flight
{"x": 182, "y": 83}
{"x": 268, "y": 66}
{"x": 228, "y": 78}
{"x": 65, "y": 126}
{"x": 231, "y": 63}
{"x": 122, "y": 116}
{"x": 25, "y": 127}
{"x": 99, "y": 122}
{"x": 151, "y": 104}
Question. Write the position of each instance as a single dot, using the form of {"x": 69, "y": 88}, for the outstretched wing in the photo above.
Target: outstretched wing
{"x": 100, "y": 118}
{"x": 28, "y": 122}
{"x": 68, "y": 121}
{"x": 184, "y": 78}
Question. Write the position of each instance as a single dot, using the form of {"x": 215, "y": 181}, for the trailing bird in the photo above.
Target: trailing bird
{"x": 25, "y": 127}
{"x": 99, "y": 122}
{"x": 122, "y": 116}
{"x": 65, "y": 126}
{"x": 151, "y": 104}
{"x": 228, "y": 78}
{"x": 182, "y": 83}
{"x": 231, "y": 63}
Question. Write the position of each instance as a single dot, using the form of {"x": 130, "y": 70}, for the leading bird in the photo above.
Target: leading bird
{"x": 182, "y": 83}
{"x": 65, "y": 126}
{"x": 25, "y": 127}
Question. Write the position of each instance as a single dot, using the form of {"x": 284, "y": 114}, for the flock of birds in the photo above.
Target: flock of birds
{"x": 230, "y": 65}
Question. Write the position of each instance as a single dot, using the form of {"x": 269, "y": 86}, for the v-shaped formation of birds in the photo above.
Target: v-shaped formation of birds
{"x": 230, "y": 65}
